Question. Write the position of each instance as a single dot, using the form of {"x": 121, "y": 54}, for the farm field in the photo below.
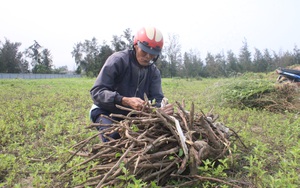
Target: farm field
{"x": 41, "y": 119}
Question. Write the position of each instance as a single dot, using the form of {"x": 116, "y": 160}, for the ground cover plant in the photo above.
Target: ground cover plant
{"x": 41, "y": 119}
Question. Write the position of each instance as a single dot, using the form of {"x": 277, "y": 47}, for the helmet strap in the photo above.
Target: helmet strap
{"x": 154, "y": 60}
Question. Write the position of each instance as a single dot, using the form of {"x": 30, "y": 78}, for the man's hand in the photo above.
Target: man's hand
{"x": 133, "y": 102}
{"x": 168, "y": 109}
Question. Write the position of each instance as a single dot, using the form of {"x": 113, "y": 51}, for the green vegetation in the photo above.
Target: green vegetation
{"x": 41, "y": 119}
{"x": 90, "y": 55}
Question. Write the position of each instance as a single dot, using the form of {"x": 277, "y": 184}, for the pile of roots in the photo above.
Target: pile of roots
{"x": 154, "y": 146}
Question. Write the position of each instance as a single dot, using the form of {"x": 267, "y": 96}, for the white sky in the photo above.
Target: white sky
{"x": 202, "y": 25}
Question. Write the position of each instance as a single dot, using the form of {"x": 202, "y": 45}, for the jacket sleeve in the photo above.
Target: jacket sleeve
{"x": 103, "y": 93}
{"x": 155, "y": 91}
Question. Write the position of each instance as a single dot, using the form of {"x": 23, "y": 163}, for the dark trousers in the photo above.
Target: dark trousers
{"x": 96, "y": 118}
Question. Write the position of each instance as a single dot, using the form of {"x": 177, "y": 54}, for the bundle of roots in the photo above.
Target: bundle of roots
{"x": 154, "y": 147}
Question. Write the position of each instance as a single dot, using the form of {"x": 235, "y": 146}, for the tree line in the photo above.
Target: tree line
{"x": 14, "y": 61}
{"x": 89, "y": 57}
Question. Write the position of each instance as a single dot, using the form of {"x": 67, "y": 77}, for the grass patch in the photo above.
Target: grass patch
{"x": 259, "y": 91}
{"x": 41, "y": 119}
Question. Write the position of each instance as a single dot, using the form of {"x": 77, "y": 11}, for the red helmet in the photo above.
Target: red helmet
{"x": 150, "y": 40}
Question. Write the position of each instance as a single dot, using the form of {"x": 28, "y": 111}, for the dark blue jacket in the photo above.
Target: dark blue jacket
{"x": 120, "y": 76}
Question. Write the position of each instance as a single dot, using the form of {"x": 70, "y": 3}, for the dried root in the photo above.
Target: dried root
{"x": 154, "y": 146}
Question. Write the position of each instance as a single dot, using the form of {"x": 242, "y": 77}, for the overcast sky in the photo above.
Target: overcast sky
{"x": 202, "y": 25}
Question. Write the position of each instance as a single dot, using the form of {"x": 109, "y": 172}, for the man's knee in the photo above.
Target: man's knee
{"x": 103, "y": 120}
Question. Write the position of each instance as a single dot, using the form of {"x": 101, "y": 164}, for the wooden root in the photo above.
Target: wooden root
{"x": 152, "y": 148}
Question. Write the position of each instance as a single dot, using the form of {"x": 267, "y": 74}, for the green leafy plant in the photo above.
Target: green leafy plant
{"x": 41, "y": 120}
{"x": 129, "y": 180}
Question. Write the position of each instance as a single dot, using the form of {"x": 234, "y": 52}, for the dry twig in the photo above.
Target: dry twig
{"x": 152, "y": 147}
